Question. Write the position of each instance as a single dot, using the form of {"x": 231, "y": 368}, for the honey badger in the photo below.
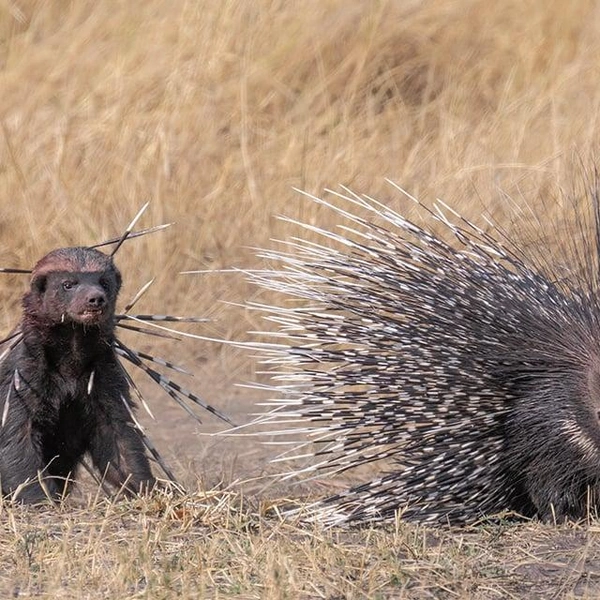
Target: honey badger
{"x": 64, "y": 392}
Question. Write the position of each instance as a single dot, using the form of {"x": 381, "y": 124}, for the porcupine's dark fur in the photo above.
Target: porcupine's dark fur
{"x": 65, "y": 393}
{"x": 474, "y": 368}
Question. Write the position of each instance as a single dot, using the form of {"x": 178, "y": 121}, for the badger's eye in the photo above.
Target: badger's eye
{"x": 68, "y": 285}
{"x": 104, "y": 284}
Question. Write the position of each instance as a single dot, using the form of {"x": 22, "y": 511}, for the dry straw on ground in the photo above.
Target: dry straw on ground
{"x": 213, "y": 111}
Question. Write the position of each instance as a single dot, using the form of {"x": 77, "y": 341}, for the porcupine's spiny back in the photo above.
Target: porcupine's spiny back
{"x": 471, "y": 367}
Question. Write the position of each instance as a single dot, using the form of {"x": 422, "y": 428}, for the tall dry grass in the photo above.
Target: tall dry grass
{"x": 213, "y": 111}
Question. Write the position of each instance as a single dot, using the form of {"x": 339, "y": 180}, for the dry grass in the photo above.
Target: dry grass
{"x": 213, "y": 111}
{"x": 218, "y": 544}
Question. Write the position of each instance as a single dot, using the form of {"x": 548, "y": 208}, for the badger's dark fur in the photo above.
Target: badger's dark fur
{"x": 62, "y": 387}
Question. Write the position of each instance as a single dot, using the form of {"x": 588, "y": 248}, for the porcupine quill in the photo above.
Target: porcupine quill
{"x": 473, "y": 366}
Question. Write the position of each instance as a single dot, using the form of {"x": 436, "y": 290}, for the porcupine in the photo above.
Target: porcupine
{"x": 65, "y": 392}
{"x": 473, "y": 366}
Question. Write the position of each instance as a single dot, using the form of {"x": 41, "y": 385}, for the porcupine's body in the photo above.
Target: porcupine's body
{"x": 473, "y": 369}
{"x": 62, "y": 387}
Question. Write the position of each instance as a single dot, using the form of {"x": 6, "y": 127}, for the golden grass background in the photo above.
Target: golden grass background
{"x": 213, "y": 111}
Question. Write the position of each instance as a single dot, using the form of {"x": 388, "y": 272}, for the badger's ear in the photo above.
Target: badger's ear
{"x": 38, "y": 284}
